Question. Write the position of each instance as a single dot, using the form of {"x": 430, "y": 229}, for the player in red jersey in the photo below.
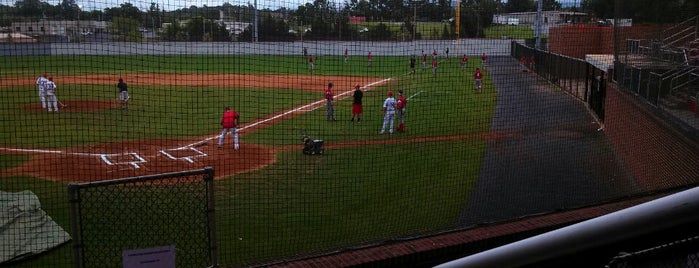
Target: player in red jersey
{"x": 478, "y": 78}
{"x": 329, "y": 99}
{"x": 229, "y": 122}
{"x": 400, "y": 106}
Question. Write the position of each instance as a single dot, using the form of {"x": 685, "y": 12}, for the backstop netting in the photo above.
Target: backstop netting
{"x": 334, "y": 125}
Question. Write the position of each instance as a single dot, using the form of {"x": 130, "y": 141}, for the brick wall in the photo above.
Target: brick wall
{"x": 660, "y": 157}
{"x": 578, "y": 41}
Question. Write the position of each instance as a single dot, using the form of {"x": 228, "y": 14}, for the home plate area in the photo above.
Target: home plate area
{"x": 187, "y": 154}
{"x": 132, "y": 159}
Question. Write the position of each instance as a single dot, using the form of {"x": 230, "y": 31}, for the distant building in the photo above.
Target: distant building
{"x": 16, "y": 38}
{"x": 60, "y": 27}
{"x": 548, "y": 17}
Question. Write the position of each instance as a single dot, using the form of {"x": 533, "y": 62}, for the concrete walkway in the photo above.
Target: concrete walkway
{"x": 556, "y": 161}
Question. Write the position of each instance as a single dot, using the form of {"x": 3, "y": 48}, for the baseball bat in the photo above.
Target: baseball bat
{"x": 61, "y": 103}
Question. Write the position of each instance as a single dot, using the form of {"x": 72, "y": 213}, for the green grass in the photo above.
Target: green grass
{"x": 352, "y": 195}
{"x": 509, "y": 31}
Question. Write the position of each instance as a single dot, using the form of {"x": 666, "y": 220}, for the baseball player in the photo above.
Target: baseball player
{"x": 478, "y": 78}
{"x": 346, "y": 56}
{"x": 434, "y": 54}
{"x": 51, "y": 99}
{"x": 123, "y": 94}
{"x": 531, "y": 63}
{"x": 389, "y": 113}
{"x": 434, "y": 67}
{"x": 412, "y": 64}
{"x": 41, "y": 85}
{"x": 229, "y": 122}
{"x": 484, "y": 58}
{"x": 424, "y": 60}
{"x": 400, "y": 106}
{"x": 329, "y": 98}
{"x": 464, "y": 61}
{"x": 357, "y": 108}
{"x": 446, "y": 53}
{"x": 369, "y": 59}
{"x": 311, "y": 66}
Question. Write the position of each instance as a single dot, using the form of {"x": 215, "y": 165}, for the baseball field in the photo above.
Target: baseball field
{"x": 272, "y": 201}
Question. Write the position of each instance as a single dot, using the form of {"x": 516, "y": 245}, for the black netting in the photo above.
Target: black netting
{"x": 596, "y": 107}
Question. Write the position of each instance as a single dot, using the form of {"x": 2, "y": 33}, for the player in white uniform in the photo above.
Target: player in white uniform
{"x": 51, "y": 99}
{"x": 41, "y": 84}
{"x": 389, "y": 113}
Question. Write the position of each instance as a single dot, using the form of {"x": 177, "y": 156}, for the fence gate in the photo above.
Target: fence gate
{"x": 166, "y": 218}
{"x": 598, "y": 91}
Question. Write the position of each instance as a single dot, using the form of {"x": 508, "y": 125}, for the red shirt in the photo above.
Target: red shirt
{"x": 310, "y": 59}
{"x": 434, "y": 53}
{"x": 369, "y": 56}
{"x": 478, "y": 74}
{"x": 402, "y": 102}
{"x": 464, "y": 58}
{"x": 328, "y": 94}
{"x": 434, "y": 63}
{"x": 484, "y": 57}
{"x": 523, "y": 60}
{"x": 345, "y": 52}
{"x": 424, "y": 57}
{"x": 531, "y": 59}
{"x": 230, "y": 119}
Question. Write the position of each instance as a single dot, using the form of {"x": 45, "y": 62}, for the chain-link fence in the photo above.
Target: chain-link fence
{"x": 167, "y": 218}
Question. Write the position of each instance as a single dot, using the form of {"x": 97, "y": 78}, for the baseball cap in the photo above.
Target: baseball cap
{"x": 400, "y": 92}
{"x": 390, "y": 93}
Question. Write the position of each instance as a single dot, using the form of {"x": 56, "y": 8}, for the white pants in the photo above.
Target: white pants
{"x": 388, "y": 118}
{"x": 52, "y": 102}
{"x": 42, "y": 98}
{"x": 225, "y": 131}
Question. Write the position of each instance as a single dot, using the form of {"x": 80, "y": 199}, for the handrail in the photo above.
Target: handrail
{"x": 660, "y": 214}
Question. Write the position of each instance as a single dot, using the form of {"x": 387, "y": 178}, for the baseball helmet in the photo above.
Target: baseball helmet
{"x": 400, "y": 92}
{"x": 330, "y": 84}
{"x": 51, "y": 78}
{"x": 357, "y": 86}
{"x": 390, "y": 93}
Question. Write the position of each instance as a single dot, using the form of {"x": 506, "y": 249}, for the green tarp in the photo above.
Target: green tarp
{"x": 25, "y": 229}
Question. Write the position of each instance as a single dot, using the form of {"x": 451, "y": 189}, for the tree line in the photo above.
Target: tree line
{"x": 329, "y": 20}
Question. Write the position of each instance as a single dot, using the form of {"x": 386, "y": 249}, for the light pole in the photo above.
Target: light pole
{"x": 414, "y": 19}
{"x": 254, "y": 37}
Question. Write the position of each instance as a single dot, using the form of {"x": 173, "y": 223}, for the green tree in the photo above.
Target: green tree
{"x": 550, "y": 5}
{"x": 30, "y": 8}
{"x": 174, "y": 32}
{"x": 125, "y": 29}
{"x": 475, "y": 16}
{"x": 69, "y": 10}
{"x": 269, "y": 29}
{"x": 125, "y": 10}
{"x": 520, "y": 6}
{"x": 380, "y": 32}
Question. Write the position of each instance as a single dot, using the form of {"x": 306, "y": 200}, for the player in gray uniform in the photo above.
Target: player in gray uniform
{"x": 41, "y": 85}
{"x": 389, "y": 113}
{"x": 51, "y": 99}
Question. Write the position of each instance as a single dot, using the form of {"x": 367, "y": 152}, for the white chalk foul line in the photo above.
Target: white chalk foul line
{"x": 105, "y": 157}
{"x": 313, "y": 106}
{"x": 188, "y": 158}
